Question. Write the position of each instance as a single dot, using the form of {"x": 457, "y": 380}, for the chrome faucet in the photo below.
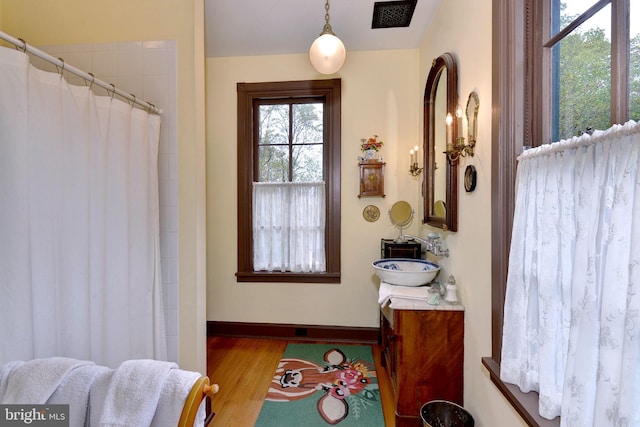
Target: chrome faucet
{"x": 432, "y": 244}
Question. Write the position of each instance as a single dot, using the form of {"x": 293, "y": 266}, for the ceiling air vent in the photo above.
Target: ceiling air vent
{"x": 391, "y": 14}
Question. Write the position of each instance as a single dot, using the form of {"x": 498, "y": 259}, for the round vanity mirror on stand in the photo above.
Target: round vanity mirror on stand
{"x": 401, "y": 215}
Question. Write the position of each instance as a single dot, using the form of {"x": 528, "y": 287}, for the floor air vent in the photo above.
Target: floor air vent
{"x": 301, "y": 332}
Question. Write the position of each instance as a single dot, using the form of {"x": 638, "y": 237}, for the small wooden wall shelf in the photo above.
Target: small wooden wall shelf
{"x": 371, "y": 179}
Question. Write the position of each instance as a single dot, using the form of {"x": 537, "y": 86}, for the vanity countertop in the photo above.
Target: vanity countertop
{"x": 407, "y": 304}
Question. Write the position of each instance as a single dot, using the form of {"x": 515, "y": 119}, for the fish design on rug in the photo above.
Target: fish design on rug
{"x": 336, "y": 381}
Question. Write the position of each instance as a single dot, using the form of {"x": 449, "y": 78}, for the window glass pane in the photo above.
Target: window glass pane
{"x": 308, "y": 142}
{"x": 273, "y": 143}
{"x": 634, "y": 62}
{"x": 307, "y": 123}
{"x": 581, "y": 78}
{"x": 273, "y": 124}
{"x": 568, "y": 11}
{"x": 273, "y": 163}
{"x": 307, "y": 163}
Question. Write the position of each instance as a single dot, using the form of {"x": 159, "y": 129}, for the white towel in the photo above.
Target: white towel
{"x": 388, "y": 291}
{"x": 134, "y": 392}
{"x": 5, "y": 373}
{"x": 413, "y": 304}
{"x": 98, "y": 395}
{"x": 34, "y": 382}
{"x": 74, "y": 391}
{"x": 174, "y": 394}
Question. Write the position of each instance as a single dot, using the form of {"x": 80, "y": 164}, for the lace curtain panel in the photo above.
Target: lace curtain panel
{"x": 572, "y": 307}
{"x": 288, "y": 227}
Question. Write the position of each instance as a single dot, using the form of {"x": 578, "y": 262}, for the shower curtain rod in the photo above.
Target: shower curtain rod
{"x": 89, "y": 78}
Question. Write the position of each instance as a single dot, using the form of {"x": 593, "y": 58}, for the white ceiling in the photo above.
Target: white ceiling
{"x": 268, "y": 27}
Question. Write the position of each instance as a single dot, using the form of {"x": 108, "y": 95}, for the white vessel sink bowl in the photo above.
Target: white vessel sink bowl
{"x": 406, "y": 271}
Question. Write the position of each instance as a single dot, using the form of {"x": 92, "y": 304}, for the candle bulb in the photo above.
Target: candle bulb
{"x": 448, "y": 121}
{"x": 459, "y": 117}
{"x": 411, "y": 155}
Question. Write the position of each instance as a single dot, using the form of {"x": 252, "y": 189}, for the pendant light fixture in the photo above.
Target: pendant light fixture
{"x": 327, "y": 53}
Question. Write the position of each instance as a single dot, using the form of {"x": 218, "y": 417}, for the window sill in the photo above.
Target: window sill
{"x": 270, "y": 277}
{"x": 526, "y": 404}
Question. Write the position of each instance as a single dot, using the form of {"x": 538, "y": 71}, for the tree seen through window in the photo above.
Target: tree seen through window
{"x": 581, "y": 72}
{"x": 290, "y": 142}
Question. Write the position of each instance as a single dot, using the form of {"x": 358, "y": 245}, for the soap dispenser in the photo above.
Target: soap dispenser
{"x": 451, "y": 296}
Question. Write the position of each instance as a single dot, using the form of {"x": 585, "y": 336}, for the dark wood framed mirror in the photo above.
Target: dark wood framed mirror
{"x": 440, "y": 185}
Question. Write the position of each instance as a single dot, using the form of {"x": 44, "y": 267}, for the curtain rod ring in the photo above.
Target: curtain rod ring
{"x": 150, "y": 108}
{"x": 93, "y": 79}
{"x": 60, "y": 70}
{"x": 24, "y": 48}
{"x": 134, "y": 101}
{"x": 113, "y": 89}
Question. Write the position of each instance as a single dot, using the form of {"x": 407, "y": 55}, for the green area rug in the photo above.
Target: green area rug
{"x": 320, "y": 385}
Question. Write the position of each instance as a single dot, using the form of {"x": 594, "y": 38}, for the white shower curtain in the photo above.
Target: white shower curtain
{"x": 79, "y": 232}
{"x": 572, "y": 307}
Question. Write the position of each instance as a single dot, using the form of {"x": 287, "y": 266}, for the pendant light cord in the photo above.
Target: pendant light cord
{"x": 327, "y": 27}
{"x": 326, "y": 13}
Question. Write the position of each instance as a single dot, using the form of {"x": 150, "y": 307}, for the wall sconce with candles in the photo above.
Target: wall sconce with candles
{"x": 414, "y": 170}
{"x": 458, "y": 148}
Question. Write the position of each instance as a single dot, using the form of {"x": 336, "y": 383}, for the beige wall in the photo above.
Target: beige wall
{"x": 77, "y": 21}
{"x": 380, "y": 95}
{"x": 464, "y": 29}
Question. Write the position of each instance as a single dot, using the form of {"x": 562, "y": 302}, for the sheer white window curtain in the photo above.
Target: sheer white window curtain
{"x": 572, "y": 308}
{"x": 289, "y": 227}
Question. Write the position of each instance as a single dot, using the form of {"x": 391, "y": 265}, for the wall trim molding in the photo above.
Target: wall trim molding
{"x": 352, "y": 334}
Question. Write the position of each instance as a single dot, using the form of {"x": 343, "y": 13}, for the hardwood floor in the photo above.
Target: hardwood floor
{"x": 243, "y": 368}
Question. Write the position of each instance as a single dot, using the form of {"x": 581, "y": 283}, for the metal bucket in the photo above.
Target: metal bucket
{"x": 442, "y": 413}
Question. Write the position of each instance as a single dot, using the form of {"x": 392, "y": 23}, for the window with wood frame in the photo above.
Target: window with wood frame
{"x": 583, "y": 67}
{"x": 289, "y": 181}
{"x": 535, "y": 89}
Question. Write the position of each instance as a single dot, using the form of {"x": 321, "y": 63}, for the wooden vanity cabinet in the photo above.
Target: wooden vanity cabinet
{"x": 423, "y": 351}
